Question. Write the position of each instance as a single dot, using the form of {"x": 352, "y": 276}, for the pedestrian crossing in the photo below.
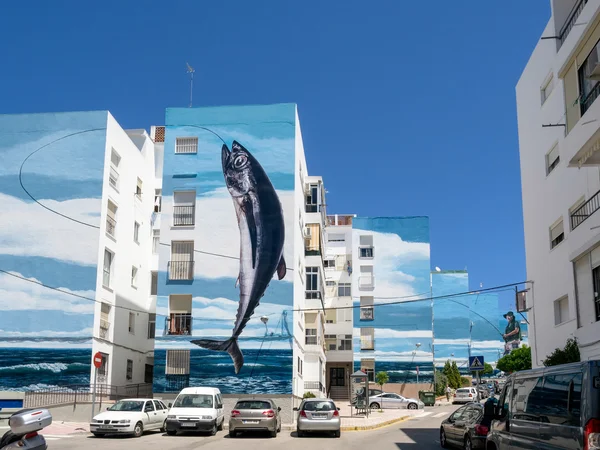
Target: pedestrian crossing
{"x": 57, "y": 437}
{"x": 431, "y": 413}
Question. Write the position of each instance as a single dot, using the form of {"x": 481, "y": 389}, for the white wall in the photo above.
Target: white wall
{"x": 124, "y": 298}
{"x": 546, "y": 198}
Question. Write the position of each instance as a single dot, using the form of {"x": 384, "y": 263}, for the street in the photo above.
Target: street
{"x": 421, "y": 433}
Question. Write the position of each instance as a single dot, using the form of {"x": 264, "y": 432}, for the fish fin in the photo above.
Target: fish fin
{"x": 281, "y": 269}
{"x": 230, "y": 346}
{"x": 225, "y": 154}
{"x": 249, "y": 213}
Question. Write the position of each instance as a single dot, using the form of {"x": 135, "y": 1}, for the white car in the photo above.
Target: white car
{"x": 389, "y": 401}
{"x": 130, "y": 416}
{"x": 465, "y": 395}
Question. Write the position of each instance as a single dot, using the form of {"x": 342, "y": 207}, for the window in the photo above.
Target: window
{"x": 111, "y": 219}
{"x": 113, "y": 178}
{"x": 299, "y": 366}
{"x": 104, "y": 320}
{"x": 557, "y": 234}
{"x": 367, "y": 338}
{"x": 552, "y": 159}
{"x": 134, "y": 272}
{"x": 108, "y": 261}
{"x": 366, "y": 252}
{"x": 103, "y": 369}
{"x": 561, "y": 310}
{"x": 562, "y": 399}
{"x": 344, "y": 290}
{"x": 596, "y": 280}
{"x": 132, "y": 323}
{"x": 154, "y": 283}
{"x": 345, "y": 342}
{"x": 155, "y": 241}
{"x": 151, "y": 326}
{"x": 344, "y": 315}
{"x": 181, "y": 266}
{"x": 136, "y": 232}
{"x": 312, "y": 199}
{"x": 149, "y": 375}
{"x": 527, "y": 400}
{"x": 157, "y": 200}
{"x": 336, "y": 238}
{"x": 367, "y": 311}
{"x": 312, "y": 283}
{"x": 180, "y": 321}
{"x": 129, "y": 369}
{"x": 329, "y": 263}
{"x": 184, "y": 208}
{"x": 138, "y": 189}
{"x": 547, "y": 88}
{"x": 186, "y": 145}
{"x": 589, "y": 87}
{"x": 366, "y": 246}
{"x": 368, "y": 367}
{"x": 366, "y": 280}
{"x": 311, "y": 336}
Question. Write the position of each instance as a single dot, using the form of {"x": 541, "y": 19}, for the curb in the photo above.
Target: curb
{"x": 379, "y": 425}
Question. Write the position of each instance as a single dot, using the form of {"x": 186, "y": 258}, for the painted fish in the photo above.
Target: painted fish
{"x": 262, "y": 235}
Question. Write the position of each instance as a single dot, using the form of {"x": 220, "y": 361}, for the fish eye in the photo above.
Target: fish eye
{"x": 240, "y": 161}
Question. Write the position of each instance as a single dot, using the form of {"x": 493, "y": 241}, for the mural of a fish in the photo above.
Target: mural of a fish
{"x": 262, "y": 236}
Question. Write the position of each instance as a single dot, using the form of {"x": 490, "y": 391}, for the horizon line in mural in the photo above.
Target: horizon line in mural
{"x": 262, "y": 236}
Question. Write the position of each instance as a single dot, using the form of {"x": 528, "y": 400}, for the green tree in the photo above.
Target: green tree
{"x": 455, "y": 380}
{"x": 308, "y": 395}
{"x": 518, "y": 359}
{"x": 565, "y": 355}
{"x": 441, "y": 381}
{"x": 381, "y": 378}
{"x": 465, "y": 382}
{"x": 487, "y": 369}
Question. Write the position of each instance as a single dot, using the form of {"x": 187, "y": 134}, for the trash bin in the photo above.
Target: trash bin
{"x": 427, "y": 397}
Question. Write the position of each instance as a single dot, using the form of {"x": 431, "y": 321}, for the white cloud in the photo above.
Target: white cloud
{"x": 217, "y": 224}
{"x": 20, "y": 295}
{"x": 30, "y": 230}
{"x": 387, "y": 333}
{"x": 49, "y": 334}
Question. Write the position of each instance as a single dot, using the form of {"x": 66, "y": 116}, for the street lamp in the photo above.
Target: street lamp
{"x": 417, "y": 345}
{"x": 265, "y": 319}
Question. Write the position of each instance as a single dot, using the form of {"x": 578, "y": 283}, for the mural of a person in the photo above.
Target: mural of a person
{"x": 512, "y": 333}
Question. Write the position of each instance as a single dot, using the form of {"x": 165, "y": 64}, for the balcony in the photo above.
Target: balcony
{"x": 311, "y": 340}
{"x": 367, "y": 313}
{"x": 314, "y": 386}
{"x": 184, "y": 216}
{"x": 111, "y": 225}
{"x": 367, "y": 343}
{"x": 340, "y": 342}
{"x": 581, "y": 214}
{"x": 104, "y": 327}
{"x": 178, "y": 324}
{"x": 366, "y": 282}
{"x": 571, "y": 20}
{"x": 180, "y": 270}
{"x": 313, "y": 295}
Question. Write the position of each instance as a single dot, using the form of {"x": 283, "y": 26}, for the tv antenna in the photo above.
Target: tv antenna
{"x": 191, "y": 71}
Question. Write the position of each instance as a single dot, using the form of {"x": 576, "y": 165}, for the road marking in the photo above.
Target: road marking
{"x": 57, "y": 436}
{"x": 425, "y": 414}
{"x": 442, "y": 414}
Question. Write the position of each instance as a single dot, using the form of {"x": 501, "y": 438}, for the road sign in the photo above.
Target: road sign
{"x": 98, "y": 360}
{"x": 476, "y": 363}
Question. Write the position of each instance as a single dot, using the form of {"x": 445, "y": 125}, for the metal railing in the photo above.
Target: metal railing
{"x": 111, "y": 225}
{"x": 178, "y": 324}
{"x": 570, "y": 22}
{"x": 83, "y": 393}
{"x": 313, "y": 295}
{"x": 184, "y": 215}
{"x": 586, "y": 210}
{"x": 366, "y": 313}
{"x": 590, "y": 98}
{"x": 314, "y": 386}
{"x": 181, "y": 270}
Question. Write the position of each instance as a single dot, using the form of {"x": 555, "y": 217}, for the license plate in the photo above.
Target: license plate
{"x": 188, "y": 424}
{"x": 251, "y": 422}
{"x": 106, "y": 428}
{"x": 319, "y": 416}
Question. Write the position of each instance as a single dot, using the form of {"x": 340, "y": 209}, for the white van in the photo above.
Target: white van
{"x": 196, "y": 409}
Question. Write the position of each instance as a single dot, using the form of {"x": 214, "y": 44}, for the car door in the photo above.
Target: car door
{"x": 460, "y": 425}
{"x": 219, "y": 407}
{"x": 161, "y": 412}
{"x": 397, "y": 401}
{"x": 387, "y": 401}
{"x": 151, "y": 416}
{"x": 449, "y": 428}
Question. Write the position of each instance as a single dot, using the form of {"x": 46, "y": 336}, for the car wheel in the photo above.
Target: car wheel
{"x": 171, "y": 432}
{"x": 443, "y": 442}
{"x": 213, "y": 430}
{"x": 164, "y": 426}
{"x": 412, "y": 406}
{"x": 138, "y": 430}
{"x": 300, "y": 433}
{"x": 274, "y": 432}
{"x": 468, "y": 444}
{"x": 233, "y": 434}
{"x": 220, "y": 427}
{"x": 337, "y": 434}
{"x": 374, "y": 405}
{"x": 98, "y": 435}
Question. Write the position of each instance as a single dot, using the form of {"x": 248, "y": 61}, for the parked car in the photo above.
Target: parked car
{"x": 255, "y": 415}
{"x": 467, "y": 427}
{"x": 130, "y": 416}
{"x": 465, "y": 395}
{"x": 554, "y": 407}
{"x": 196, "y": 409}
{"x": 389, "y": 401}
{"x": 361, "y": 394}
{"x": 318, "y": 415}
{"x": 483, "y": 391}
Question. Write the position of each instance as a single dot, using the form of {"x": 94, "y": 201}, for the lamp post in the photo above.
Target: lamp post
{"x": 417, "y": 345}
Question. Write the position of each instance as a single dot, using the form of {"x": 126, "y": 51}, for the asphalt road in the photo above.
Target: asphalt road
{"x": 420, "y": 433}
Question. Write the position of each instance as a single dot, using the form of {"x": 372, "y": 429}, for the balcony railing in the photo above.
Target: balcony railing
{"x": 111, "y": 225}
{"x": 366, "y": 313}
{"x": 178, "y": 324}
{"x": 587, "y": 101}
{"x": 570, "y": 22}
{"x": 311, "y": 340}
{"x": 113, "y": 178}
{"x": 183, "y": 215}
{"x": 313, "y": 295}
{"x": 104, "y": 327}
{"x": 181, "y": 270}
{"x": 314, "y": 386}
{"x": 341, "y": 342}
{"x": 586, "y": 210}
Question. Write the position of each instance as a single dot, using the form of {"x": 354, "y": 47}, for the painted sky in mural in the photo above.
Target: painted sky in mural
{"x": 268, "y": 133}
{"x": 66, "y": 176}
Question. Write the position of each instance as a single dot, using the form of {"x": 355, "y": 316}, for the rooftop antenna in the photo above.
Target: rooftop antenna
{"x": 191, "y": 71}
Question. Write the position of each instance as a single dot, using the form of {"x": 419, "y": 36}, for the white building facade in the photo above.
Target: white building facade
{"x": 559, "y": 143}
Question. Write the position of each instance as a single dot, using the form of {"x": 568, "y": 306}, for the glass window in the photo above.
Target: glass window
{"x": 149, "y": 406}
{"x": 252, "y": 404}
{"x": 527, "y": 399}
{"x": 193, "y": 401}
{"x": 562, "y": 399}
{"x": 319, "y": 406}
{"x": 127, "y": 406}
{"x": 459, "y": 413}
{"x": 158, "y": 405}
{"x": 344, "y": 290}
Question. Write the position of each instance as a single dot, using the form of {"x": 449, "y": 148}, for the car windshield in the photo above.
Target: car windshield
{"x": 127, "y": 406}
{"x": 319, "y": 406}
{"x": 193, "y": 401}
{"x": 253, "y": 404}
{"x": 463, "y": 391}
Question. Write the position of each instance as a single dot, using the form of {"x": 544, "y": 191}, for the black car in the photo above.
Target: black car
{"x": 467, "y": 427}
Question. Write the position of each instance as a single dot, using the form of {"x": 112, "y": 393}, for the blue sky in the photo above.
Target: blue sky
{"x": 425, "y": 89}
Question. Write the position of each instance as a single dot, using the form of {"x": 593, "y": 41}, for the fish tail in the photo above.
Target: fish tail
{"x": 230, "y": 346}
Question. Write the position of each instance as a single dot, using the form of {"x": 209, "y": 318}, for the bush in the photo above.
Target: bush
{"x": 465, "y": 382}
{"x": 566, "y": 355}
{"x": 441, "y": 381}
{"x": 518, "y": 359}
{"x": 309, "y": 395}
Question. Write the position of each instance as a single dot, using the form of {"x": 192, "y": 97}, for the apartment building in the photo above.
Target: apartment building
{"x": 559, "y": 144}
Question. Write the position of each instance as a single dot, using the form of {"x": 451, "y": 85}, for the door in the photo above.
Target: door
{"x": 391, "y": 401}
{"x": 337, "y": 376}
{"x": 454, "y": 419}
{"x": 161, "y": 411}
{"x": 181, "y": 266}
{"x": 152, "y": 416}
{"x": 219, "y": 407}
{"x": 460, "y": 425}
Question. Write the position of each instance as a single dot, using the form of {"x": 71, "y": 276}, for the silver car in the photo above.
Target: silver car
{"x": 318, "y": 415}
{"x": 255, "y": 415}
{"x": 465, "y": 395}
{"x": 394, "y": 401}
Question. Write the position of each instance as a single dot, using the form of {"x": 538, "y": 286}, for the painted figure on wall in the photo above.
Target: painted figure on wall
{"x": 512, "y": 334}
{"x": 262, "y": 236}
